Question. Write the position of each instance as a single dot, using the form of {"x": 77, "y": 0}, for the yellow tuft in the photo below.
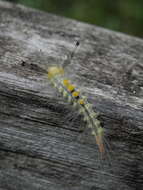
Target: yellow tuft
{"x": 71, "y": 87}
{"x": 66, "y": 82}
{"x": 53, "y": 71}
{"x": 75, "y": 94}
{"x": 81, "y": 101}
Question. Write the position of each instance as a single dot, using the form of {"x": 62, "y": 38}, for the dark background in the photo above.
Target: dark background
{"x": 120, "y": 15}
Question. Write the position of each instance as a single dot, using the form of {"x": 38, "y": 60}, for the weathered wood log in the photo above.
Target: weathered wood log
{"x": 40, "y": 146}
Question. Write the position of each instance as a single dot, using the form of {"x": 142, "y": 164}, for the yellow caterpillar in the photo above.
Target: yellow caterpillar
{"x": 56, "y": 75}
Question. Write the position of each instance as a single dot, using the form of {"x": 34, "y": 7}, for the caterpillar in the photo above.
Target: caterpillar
{"x": 56, "y": 75}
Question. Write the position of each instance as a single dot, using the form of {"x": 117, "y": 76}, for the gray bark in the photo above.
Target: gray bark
{"x": 41, "y": 142}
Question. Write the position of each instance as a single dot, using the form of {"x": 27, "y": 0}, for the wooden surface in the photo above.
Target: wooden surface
{"x": 41, "y": 143}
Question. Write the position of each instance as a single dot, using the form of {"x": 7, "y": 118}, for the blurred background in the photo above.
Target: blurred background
{"x": 119, "y": 15}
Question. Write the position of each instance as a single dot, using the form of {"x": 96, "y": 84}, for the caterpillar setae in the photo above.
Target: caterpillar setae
{"x": 56, "y": 75}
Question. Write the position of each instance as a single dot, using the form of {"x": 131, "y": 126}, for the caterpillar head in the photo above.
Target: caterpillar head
{"x": 54, "y": 71}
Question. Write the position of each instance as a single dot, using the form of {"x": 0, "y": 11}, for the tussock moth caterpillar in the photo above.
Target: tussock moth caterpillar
{"x": 56, "y": 74}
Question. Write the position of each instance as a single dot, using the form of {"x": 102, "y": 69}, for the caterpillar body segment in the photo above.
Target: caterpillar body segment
{"x": 68, "y": 90}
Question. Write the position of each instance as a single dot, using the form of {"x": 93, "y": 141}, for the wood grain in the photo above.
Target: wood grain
{"x": 41, "y": 143}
